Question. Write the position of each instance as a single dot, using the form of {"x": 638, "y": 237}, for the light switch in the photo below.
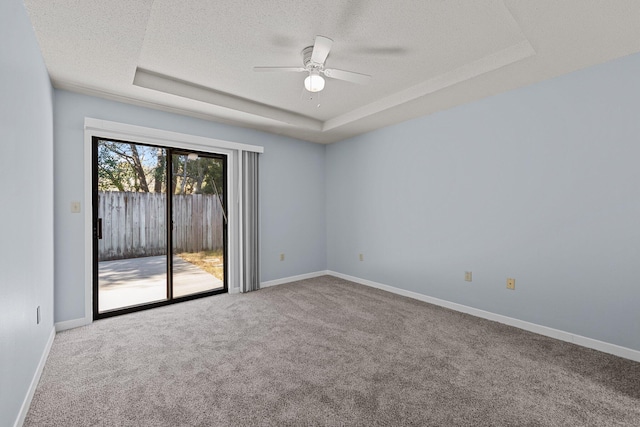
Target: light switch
{"x": 75, "y": 207}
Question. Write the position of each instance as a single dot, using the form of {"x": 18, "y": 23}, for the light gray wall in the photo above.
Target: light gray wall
{"x": 26, "y": 213}
{"x": 541, "y": 184}
{"x": 291, "y": 192}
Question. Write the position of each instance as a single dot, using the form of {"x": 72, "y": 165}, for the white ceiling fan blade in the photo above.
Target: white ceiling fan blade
{"x": 348, "y": 76}
{"x": 321, "y": 49}
{"x": 295, "y": 69}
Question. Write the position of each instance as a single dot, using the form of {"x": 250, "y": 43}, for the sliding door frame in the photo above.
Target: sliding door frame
{"x": 152, "y": 136}
{"x": 169, "y": 153}
{"x": 225, "y": 222}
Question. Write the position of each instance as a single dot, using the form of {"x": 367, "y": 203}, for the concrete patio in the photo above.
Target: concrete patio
{"x": 128, "y": 282}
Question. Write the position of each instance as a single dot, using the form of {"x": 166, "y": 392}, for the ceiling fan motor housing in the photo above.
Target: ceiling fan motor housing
{"x": 306, "y": 58}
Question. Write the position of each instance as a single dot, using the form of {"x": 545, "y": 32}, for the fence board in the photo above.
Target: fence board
{"x": 134, "y": 224}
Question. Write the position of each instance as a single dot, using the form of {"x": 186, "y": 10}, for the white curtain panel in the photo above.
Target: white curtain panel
{"x": 250, "y": 231}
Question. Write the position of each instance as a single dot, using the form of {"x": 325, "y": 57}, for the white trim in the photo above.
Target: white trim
{"x": 138, "y": 134}
{"x": 293, "y": 278}
{"x": 88, "y": 230}
{"x": 71, "y": 324}
{"x": 147, "y": 135}
{"x": 580, "y": 340}
{"x": 174, "y": 86}
{"x": 34, "y": 381}
{"x": 486, "y": 64}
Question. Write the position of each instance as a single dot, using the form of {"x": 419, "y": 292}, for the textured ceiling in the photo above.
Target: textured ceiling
{"x": 196, "y": 57}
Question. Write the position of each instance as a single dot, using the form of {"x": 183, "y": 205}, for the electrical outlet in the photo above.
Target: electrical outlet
{"x": 511, "y": 283}
{"x": 467, "y": 276}
{"x": 38, "y": 315}
{"x": 281, "y": 257}
{"x": 361, "y": 257}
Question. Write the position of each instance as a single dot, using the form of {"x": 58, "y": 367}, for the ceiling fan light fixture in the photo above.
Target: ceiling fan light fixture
{"x": 314, "y": 81}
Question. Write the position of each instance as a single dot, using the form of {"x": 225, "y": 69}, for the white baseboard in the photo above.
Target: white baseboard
{"x": 26, "y": 403}
{"x": 74, "y": 323}
{"x": 293, "y": 278}
{"x": 605, "y": 347}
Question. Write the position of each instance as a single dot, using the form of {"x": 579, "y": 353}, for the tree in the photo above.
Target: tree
{"x": 200, "y": 176}
{"x": 125, "y": 166}
{"x": 159, "y": 170}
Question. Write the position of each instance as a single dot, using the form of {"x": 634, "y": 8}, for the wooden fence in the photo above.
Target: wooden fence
{"x": 134, "y": 224}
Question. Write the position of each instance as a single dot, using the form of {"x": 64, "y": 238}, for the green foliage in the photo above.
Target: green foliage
{"x": 112, "y": 173}
{"x": 126, "y": 166}
{"x": 201, "y": 176}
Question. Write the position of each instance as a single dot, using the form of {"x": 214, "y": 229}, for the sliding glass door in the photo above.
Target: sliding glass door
{"x": 151, "y": 249}
{"x": 198, "y": 223}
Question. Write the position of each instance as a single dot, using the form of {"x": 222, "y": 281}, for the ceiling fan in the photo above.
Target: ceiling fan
{"x": 313, "y": 59}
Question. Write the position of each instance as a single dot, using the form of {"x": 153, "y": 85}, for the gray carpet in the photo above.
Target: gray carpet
{"x": 325, "y": 352}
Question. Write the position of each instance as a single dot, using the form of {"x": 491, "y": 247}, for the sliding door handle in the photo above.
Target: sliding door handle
{"x": 98, "y": 229}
